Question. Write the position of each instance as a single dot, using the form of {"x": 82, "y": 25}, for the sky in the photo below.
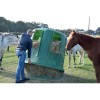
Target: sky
{"x": 58, "y": 14}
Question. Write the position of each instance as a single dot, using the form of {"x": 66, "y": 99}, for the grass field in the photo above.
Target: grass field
{"x": 81, "y": 74}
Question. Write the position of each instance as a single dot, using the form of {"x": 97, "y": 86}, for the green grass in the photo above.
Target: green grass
{"x": 81, "y": 74}
{"x": 9, "y": 64}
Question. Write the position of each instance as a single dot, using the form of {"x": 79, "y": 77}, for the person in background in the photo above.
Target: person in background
{"x": 25, "y": 43}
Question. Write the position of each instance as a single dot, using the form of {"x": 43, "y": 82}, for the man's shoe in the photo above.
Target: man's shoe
{"x": 26, "y": 79}
{"x": 20, "y": 81}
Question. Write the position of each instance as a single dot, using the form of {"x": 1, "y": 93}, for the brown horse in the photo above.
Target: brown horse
{"x": 91, "y": 45}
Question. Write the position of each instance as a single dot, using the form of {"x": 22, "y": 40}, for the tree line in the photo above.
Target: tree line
{"x": 19, "y": 26}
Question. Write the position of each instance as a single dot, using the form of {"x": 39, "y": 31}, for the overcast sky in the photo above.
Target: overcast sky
{"x": 59, "y": 14}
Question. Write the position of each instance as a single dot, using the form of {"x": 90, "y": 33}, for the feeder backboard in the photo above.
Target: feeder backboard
{"x": 48, "y": 48}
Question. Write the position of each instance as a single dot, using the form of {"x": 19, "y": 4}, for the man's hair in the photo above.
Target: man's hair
{"x": 29, "y": 31}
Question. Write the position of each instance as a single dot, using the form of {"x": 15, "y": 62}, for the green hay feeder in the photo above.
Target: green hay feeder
{"x": 48, "y": 53}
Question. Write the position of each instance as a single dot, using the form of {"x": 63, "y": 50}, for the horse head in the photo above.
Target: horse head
{"x": 72, "y": 40}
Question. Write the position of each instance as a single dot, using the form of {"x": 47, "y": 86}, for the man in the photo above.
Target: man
{"x": 25, "y": 43}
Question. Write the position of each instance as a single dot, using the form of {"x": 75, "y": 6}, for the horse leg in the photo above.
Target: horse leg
{"x": 74, "y": 57}
{"x": 79, "y": 53}
{"x": 0, "y": 63}
{"x": 69, "y": 60}
{"x": 8, "y": 48}
{"x": 96, "y": 64}
{"x": 81, "y": 57}
{"x": 97, "y": 72}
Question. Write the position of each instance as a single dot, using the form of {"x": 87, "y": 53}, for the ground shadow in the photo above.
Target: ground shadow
{"x": 47, "y": 79}
{"x": 7, "y": 74}
{"x": 63, "y": 79}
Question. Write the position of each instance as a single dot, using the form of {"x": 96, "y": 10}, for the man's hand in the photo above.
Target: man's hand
{"x": 29, "y": 61}
{"x": 35, "y": 44}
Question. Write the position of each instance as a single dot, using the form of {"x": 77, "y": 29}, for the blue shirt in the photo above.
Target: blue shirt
{"x": 25, "y": 43}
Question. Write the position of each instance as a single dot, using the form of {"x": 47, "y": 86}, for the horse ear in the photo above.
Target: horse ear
{"x": 73, "y": 31}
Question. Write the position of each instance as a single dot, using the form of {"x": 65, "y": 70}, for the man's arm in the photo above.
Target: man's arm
{"x": 29, "y": 51}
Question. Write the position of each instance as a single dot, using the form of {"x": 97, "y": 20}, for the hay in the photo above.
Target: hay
{"x": 55, "y": 46}
{"x": 35, "y": 44}
{"x": 34, "y": 70}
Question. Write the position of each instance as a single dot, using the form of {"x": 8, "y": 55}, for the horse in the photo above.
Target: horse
{"x": 76, "y": 49}
{"x": 79, "y": 49}
{"x": 90, "y": 45}
{"x": 5, "y": 41}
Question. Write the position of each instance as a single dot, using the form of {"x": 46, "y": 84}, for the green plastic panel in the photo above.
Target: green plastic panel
{"x": 42, "y": 53}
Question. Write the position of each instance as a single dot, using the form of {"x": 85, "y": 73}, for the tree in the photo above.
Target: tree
{"x": 98, "y": 31}
{"x": 11, "y": 26}
{"x": 21, "y": 26}
{"x": 90, "y": 32}
{"x": 3, "y": 24}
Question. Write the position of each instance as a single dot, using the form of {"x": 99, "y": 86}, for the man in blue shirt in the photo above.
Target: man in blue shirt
{"x": 25, "y": 43}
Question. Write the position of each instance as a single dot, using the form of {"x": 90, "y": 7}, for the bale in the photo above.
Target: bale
{"x": 33, "y": 70}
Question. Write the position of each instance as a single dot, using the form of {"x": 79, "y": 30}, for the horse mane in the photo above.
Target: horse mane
{"x": 77, "y": 32}
{"x": 1, "y": 34}
{"x": 5, "y": 35}
{"x": 89, "y": 37}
